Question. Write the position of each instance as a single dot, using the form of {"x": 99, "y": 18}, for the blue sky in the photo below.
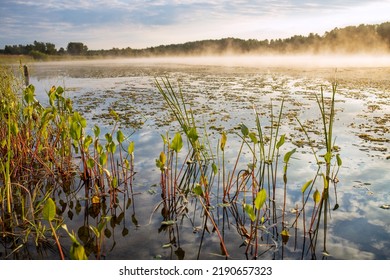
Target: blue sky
{"x": 104, "y": 24}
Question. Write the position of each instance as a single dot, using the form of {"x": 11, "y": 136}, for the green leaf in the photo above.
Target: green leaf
{"x": 177, "y": 143}
{"x": 163, "y": 158}
{"x": 77, "y": 252}
{"x": 260, "y": 199}
{"x": 87, "y": 142}
{"x": 103, "y": 223}
{"x": 198, "y": 190}
{"x": 253, "y": 137}
{"x": 60, "y": 90}
{"x": 108, "y": 137}
{"x": 215, "y": 168}
{"x": 114, "y": 114}
{"x": 49, "y": 210}
{"x": 192, "y": 134}
{"x": 75, "y": 130}
{"x": 223, "y": 141}
{"x": 99, "y": 149}
{"x": 14, "y": 128}
{"x": 326, "y": 183}
{"x": 328, "y": 157}
{"x": 29, "y": 94}
{"x": 244, "y": 130}
{"x": 96, "y": 131}
{"x": 339, "y": 161}
{"x": 103, "y": 159}
{"x": 111, "y": 148}
{"x": 306, "y": 185}
{"x": 130, "y": 148}
{"x": 281, "y": 141}
{"x": 288, "y": 155}
{"x": 165, "y": 140}
{"x": 168, "y": 223}
{"x": 250, "y": 211}
{"x": 90, "y": 163}
{"x": 119, "y": 136}
{"x": 95, "y": 230}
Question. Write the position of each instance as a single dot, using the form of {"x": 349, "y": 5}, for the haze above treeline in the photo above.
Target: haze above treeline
{"x": 373, "y": 38}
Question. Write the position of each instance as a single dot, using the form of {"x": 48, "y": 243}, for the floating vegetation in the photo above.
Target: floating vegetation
{"x": 241, "y": 168}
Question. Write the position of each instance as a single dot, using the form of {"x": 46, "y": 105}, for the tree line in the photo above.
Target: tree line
{"x": 351, "y": 39}
{"x": 41, "y": 49}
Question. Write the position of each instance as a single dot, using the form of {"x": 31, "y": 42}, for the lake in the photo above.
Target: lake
{"x": 223, "y": 94}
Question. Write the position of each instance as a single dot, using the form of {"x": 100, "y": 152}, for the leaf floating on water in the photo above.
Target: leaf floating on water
{"x": 167, "y": 245}
{"x": 223, "y": 205}
{"x": 385, "y": 206}
{"x": 326, "y": 254}
{"x": 168, "y": 223}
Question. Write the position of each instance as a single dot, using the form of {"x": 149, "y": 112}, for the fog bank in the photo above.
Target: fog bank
{"x": 254, "y": 61}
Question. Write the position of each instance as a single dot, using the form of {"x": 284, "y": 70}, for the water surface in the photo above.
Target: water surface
{"x": 222, "y": 96}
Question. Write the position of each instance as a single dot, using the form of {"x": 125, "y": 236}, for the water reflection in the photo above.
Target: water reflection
{"x": 146, "y": 222}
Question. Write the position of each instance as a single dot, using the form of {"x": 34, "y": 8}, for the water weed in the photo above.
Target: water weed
{"x": 55, "y": 164}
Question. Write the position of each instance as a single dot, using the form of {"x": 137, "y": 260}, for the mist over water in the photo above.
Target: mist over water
{"x": 277, "y": 60}
{"x": 253, "y": 61}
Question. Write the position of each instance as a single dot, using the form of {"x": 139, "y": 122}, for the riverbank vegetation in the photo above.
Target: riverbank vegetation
{"x": 43, "y": 151}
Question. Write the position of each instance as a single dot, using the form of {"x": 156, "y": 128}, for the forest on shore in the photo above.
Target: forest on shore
{"x": 371, "y": 38}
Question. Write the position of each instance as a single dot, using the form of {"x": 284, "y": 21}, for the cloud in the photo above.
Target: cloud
{"x": 137, "y": 23}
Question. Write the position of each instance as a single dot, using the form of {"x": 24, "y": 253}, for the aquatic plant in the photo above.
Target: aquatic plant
{"x": 254, "y": 188}
{"x": 38, "y": 159}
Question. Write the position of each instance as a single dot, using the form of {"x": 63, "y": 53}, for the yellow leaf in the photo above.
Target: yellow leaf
{"x": 285, "y": 236}
{"x": 95, "y": 199}
{"x": 163, "y": 158}
{"x": 317, "y": 197}
{"x": 223, "y": 140}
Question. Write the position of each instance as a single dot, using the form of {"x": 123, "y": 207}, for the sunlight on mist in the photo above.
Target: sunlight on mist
{"x": 299, "y": 61}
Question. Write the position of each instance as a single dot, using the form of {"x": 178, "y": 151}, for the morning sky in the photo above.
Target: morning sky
{"x": 104, "y": 24}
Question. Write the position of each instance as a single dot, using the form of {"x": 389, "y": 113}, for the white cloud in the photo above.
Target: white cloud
{"x": 140, "y": 24}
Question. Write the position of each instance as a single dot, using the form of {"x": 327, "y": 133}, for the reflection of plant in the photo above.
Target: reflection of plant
{"x": 197, "y": 159}
{"x": 253, "y": 188}
{"x": 332, "y": 158}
